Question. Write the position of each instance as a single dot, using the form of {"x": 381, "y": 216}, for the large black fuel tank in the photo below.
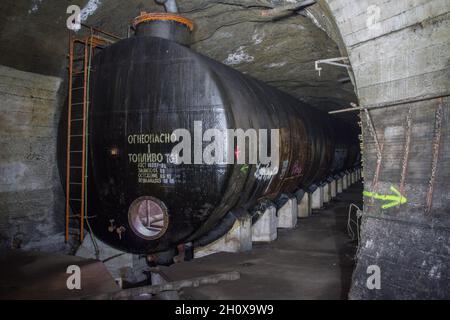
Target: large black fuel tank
{"x": 143, "y": 89}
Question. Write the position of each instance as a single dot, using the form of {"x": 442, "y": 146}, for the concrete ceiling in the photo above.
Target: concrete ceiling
{"x": 279, "y": 52}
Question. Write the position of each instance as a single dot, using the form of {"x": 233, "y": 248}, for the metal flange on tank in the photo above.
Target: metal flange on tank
{"x": 164, "y": 25}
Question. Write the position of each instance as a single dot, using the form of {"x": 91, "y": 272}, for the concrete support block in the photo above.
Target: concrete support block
{"x": 345, "y": 182}
{"x": 265, "y": 228}
{"x": 326, "y": 193}
{"x": 119, "y": 266}
{"x": 340, "y": 184}
{"x": 333, "y": 189}
{"x": 304, "y": 206}
{"x": 287, "y": 214}
{"x": 317, "y": 199}
{"x": 238, "y": 239}
{"x": 158, "y": 279}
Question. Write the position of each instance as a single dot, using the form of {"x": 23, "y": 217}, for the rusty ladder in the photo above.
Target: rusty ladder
{"x": 81, "y": 51}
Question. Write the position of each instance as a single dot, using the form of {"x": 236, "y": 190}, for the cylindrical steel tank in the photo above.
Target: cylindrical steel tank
{"x": 147, "y": 86}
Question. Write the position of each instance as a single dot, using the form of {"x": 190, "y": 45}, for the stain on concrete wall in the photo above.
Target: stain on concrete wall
{"x": 31, "y": 199}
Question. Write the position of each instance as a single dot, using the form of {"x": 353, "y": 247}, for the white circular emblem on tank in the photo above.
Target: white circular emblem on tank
{"x": 148, "y": 217}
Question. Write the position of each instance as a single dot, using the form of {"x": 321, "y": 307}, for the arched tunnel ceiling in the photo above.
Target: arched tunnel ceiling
{"x": 279, "y": 52}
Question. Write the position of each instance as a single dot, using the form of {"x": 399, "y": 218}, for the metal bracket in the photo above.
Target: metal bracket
{"x": 333, "y": 62}
{"x": 406, "y": 151}
{"x": 435, "y": 159}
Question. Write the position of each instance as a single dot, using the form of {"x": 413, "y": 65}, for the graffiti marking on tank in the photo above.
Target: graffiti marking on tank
{"x": 265, "y": 172}
{"x": 296, "y": 169}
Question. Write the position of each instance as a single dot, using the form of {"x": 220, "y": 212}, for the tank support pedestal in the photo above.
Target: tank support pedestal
{"x": 265, "y": 229}
{"x": 287, "y": 214}
{"x": 345, "y": 182}
{"x": 238, "y": 239}
{"x": 333, "y": 188}
{"x": 121, "y": 265}
{"x": 303, "y": 205}
{"x": 340, "y": 183}
{"x": 326, "y": 193}
{"x": 317, "y": 198}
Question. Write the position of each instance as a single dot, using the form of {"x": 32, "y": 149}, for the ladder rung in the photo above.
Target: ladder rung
{"x": 77, "y": 183}
{"x": 78, "y": 216}
{"x": 76, "y": 151}
{"x": 75, "y": 167}
{"x": 72, "y": 199}
{"x": 77, "y": 88}
{"x": 81, "y": 72}
{"x": 78, "y": 135}
{"x": 81, "y": 119}
{"x": 77, "y": 104}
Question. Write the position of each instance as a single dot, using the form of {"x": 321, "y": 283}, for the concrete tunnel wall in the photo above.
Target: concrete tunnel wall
{"x": 402, "y": 54}
{"x": 400, "y": 50}
{"x": 32, "y": 201}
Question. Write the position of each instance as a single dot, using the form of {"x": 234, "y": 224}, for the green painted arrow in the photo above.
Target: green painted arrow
{"x": 244, "y": 168}
{"x": 393, "y": 200}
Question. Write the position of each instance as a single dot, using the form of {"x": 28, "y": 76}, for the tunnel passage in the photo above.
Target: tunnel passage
{"x": 398, "y": 60}
{"x": 262, "y": 51}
